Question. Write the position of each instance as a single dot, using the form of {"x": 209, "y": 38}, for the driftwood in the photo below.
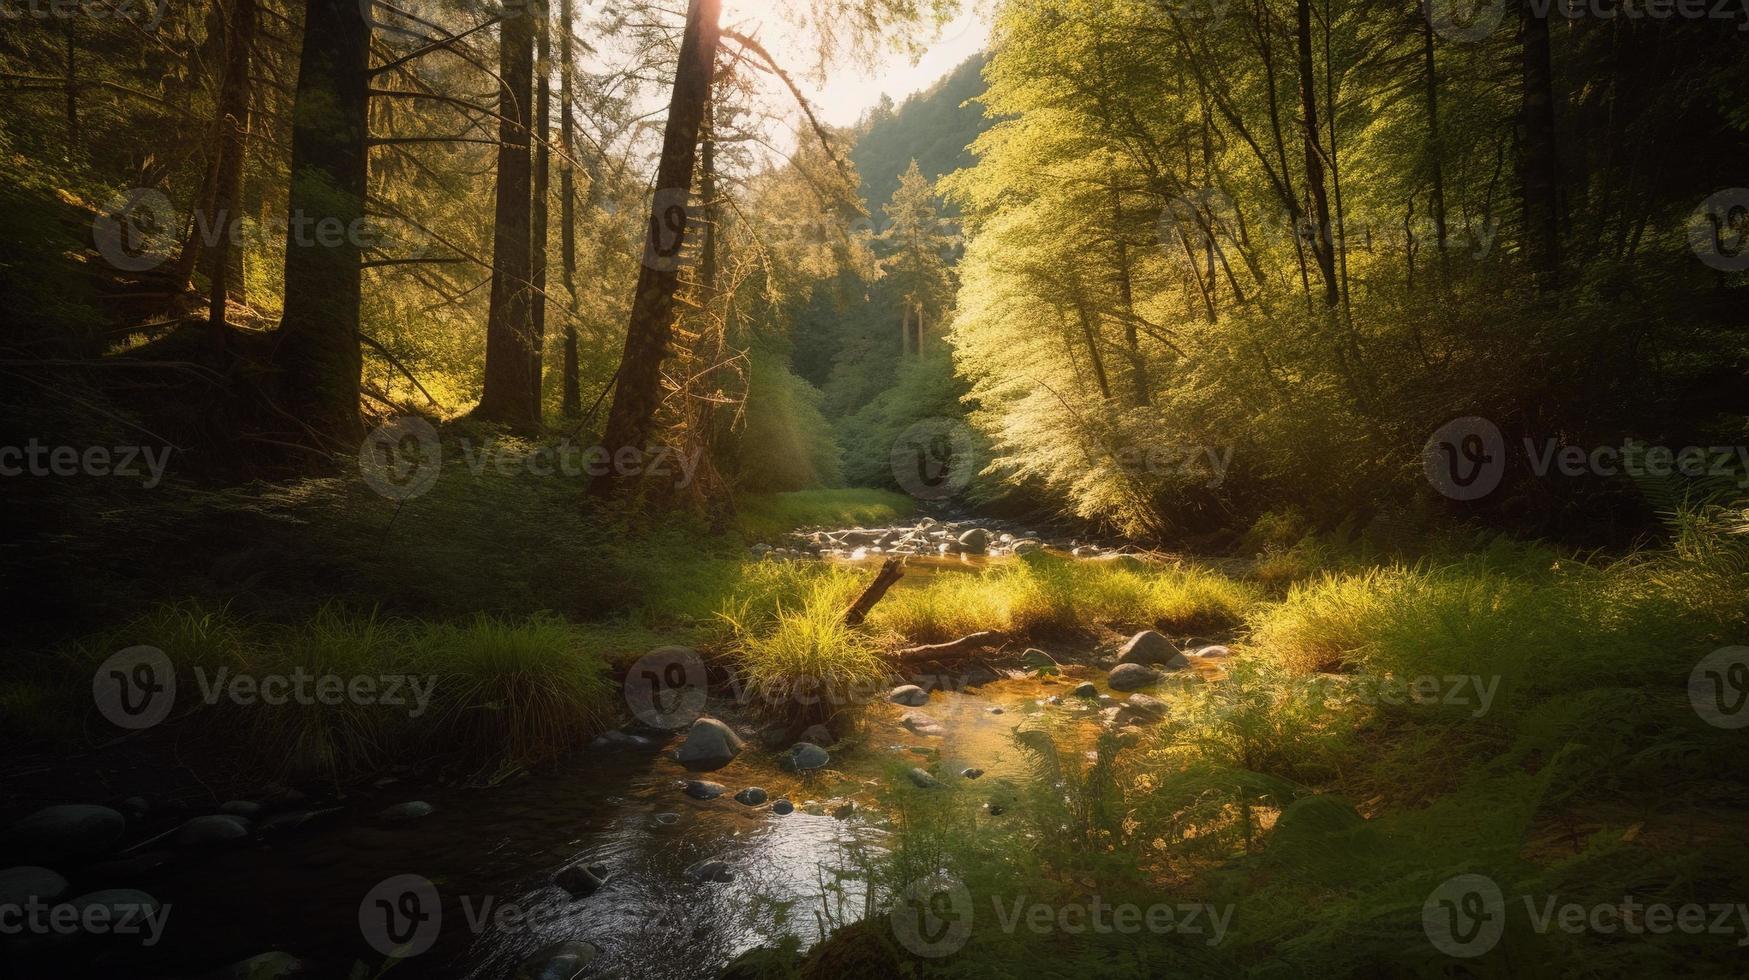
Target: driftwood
{"x": 891, "y": 570}
{"x": 960, "y": 647}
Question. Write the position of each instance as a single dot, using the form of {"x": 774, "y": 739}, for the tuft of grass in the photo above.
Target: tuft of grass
{"x": 798, "y": 660}
{"x": 770, "y": 516}
{"x": 525, "y": 691}
{"x": 1043, "y": 593}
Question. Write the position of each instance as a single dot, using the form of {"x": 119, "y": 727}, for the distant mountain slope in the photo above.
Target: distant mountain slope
{"x": 933, "y": 127}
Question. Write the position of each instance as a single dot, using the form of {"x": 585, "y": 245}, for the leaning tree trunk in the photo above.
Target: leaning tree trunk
{"x": 1323, "y": 247}
{"x": 233, "y": 115}
{"x": 508, "y": 396}
{"x": 1542, "y": 240}
{"x": 316, "y": 351}
{"x": 572, "y": 398}
{"x": 638, "y": 391}
{"x": 542, "y": 163}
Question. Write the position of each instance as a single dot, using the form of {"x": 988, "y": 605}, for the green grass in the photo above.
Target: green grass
{"x": 485, "y": 691}
{"x": 1043, "y": 594}
{"x": 797, "y": 659}
{"x": 767, "y": 517}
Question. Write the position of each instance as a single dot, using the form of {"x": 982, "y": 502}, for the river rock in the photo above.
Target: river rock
{"x": 212, "y": 830}
{"x": 67, "y": 831}
{"x": 619, "y": 740}
{"x": 263, "y": 966}
{"x": 565, "y": 960}
{"x": 781, "y": 806}
{"x": 997, "y": 710}
{"x": 817, "y": 734}
{"x": 975, "y": 541}
{"x": 1215, "y": 652}
{"x": 703, "y": 789}
{"x": 247, "y": 809}
{"x": 751, "y": 796}
{"x": 1084, "y": 551}
{"x": 709, "y": 745}
{"x": 705, "y": 871}
{"x": 667, "y": 819}
{"x": 909, "y": 695}
{"x": 804, "y": 756}
{"x": 971, "y": 773}
{"x": 1027, "y": 546}
{"x": 21, "y": 884}
{"x": 411, "y": 810}
{"x": 922, "y": 724}
{"x": 1129, "y": 677}
{"x": 582, "y": 880}
{"x": 1149, "y": 647}
{"x": 1151, "y": 706}
{"x": 922, "y": 780}
{"x": 1085, "y": 689}
{"x": 126, "y": 905}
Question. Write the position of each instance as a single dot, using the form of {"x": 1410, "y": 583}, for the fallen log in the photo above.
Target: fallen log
{"x": 891, "y": 570}
{"x": 953, "y": 648}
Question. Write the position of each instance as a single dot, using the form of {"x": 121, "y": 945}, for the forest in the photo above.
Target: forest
{"x": 821, "y": 489}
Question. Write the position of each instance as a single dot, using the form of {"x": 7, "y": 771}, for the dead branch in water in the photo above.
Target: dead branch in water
{"x": 891, "y": 570}
{"x": 954, "y": 648}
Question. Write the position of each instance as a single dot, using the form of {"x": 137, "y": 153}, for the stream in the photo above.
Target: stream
{"x": 487, "y": 858}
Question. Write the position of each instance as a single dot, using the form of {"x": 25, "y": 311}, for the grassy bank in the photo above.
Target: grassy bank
{"x": 1515, "y": 714}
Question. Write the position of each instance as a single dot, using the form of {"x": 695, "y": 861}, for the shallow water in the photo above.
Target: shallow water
{"x": 489, "y": 849}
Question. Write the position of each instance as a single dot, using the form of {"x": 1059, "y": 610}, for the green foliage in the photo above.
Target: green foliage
{"x": 766, "y": 517}
{"x": 786, "y": 443}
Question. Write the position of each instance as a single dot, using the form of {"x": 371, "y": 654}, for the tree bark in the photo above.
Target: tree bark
{"x": 1139, "y": 393}
{"x": 233, "y": 115}
{"x": 1539, "y": 163}
{"x": 1436, "y": 196}
{"x": 543, "y": 108}
{"x": 1321, "y": 242}
{"x": 891, "y": 571}
{"x": 508, "y": 396}
{"x": 317, "y": 349}
{"x": 571, "y": 403}
{"x": 638, "y": 391}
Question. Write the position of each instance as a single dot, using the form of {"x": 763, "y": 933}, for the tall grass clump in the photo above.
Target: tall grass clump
{"x": 1042, "y": 594}
{"x": 522, "y": 690}
{"x": 797, "y": 658}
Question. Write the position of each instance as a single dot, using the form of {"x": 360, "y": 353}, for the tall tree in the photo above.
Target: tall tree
{"x": 1322, "y": 242}
{"x": 317, "y": 351}
{"x": 234, "y": 122}
{"x": 1539, "y": 159}
{"x": 508, "y": 396}
{"x": 542, "y": 163}
{"x": 571, "y": 404}
{"x": 918, "y": 265}
{"x": 638, "y": 385}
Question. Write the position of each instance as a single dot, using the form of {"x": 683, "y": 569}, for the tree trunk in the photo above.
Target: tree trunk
{"x": 572, "y": 400}
{"x": 1090, "y": 334}
{"x": 1539, "y": 164}
{"x": 233, "y": 115}
{"x": 1436, "y": 196}
{"x": 317, "y": 348}
{"x": 1321, "y": 242}
{"x": 638, "y": 391}
{"x": 72, "y": 96}
{"x": 543, "y": 106}
{"x": 508, "y": 396}
{"x": 1139, "y": 393}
